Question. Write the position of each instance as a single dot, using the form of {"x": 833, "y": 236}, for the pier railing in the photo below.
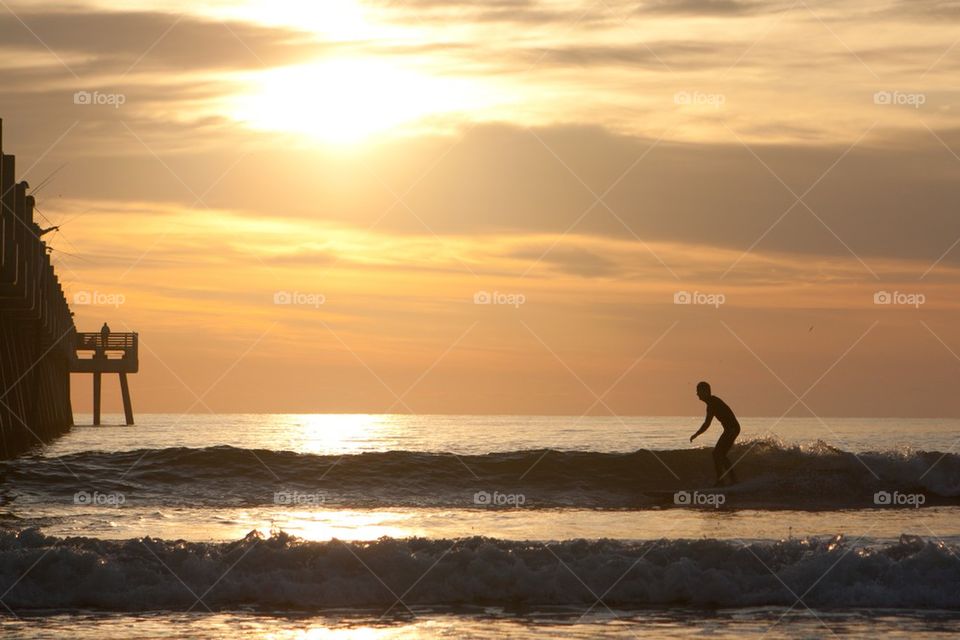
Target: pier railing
{"x": 111, "y": 341}
{"x": 106, "y": 353}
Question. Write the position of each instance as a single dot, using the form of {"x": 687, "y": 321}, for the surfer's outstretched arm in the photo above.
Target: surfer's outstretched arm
{"x": 706, "y": 425}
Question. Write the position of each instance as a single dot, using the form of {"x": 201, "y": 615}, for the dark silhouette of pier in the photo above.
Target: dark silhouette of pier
{"x": 36, "y": 326}
{"x": 39, "y": 344}
{"x": 100, "y": 353}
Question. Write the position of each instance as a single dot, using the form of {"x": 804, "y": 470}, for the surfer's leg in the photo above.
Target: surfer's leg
{"x": 730, "y": 472}
{"x": 718, "y": 464}
{"x": 725, "y": 472}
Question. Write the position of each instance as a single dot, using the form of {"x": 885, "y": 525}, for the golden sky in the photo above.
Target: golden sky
{"x": 441, "y": 206}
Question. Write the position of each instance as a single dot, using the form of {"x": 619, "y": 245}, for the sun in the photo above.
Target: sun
{"x": 349, "y": 100}
{"x": 376, "y": 80}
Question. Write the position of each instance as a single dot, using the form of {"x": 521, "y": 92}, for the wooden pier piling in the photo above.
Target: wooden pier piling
{"x": 36, "y": 325}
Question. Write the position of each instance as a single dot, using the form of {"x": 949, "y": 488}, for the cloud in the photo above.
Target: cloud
{"x": 632, "y": 57}
{"x": 893, "y": 196}
{"x": 925, "y": 9}
{"x": 711, "y": 7}
{"x": 571, "y": 260}
{"x": 893, "y": 201}
{"x": 95, "y": 42}
{"x": 609, "y": 13}
{"x": 498, "y": 11}
{"x": 164, "y": 65}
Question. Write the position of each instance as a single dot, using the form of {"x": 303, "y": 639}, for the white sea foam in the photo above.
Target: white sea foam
{"x": 284, "y": 573}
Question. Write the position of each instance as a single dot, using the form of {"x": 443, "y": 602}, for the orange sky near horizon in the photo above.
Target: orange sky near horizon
{"x": 437, "y": 206}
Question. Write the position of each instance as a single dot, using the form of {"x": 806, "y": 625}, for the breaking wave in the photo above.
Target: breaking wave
{"x": 282, "y": 573}
{"x": 772, "y": 476}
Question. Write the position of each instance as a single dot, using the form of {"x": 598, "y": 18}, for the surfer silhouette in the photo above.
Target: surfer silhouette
{"x": 717, "y": 408}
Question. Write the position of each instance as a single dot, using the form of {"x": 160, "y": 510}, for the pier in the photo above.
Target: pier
{"x": 100, "y": 353}
{"x": 39, "y": 344}
{"x": 36, "y": 325}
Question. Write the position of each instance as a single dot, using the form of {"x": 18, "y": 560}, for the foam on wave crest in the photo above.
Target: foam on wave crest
{"x": 282, "y": 573}
{"x": 773, "y": 476}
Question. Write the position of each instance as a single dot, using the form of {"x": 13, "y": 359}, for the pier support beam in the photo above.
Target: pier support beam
{"x": 127, "y": 405}
{"x": 96, "y": 397}
{"x": 106, "y": 352}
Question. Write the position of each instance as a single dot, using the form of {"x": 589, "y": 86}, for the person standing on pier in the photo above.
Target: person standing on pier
{"x": 104, "y": 335}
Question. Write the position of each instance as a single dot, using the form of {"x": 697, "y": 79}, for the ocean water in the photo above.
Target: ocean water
{"x": 315, "y": 526}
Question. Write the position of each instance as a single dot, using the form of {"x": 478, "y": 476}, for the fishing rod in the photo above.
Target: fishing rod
{"x": 56, "y": 229}
{"x": 47, "y": 180}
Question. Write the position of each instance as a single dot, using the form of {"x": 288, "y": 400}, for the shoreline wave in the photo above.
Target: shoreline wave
{"x": 283, "y": 573}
